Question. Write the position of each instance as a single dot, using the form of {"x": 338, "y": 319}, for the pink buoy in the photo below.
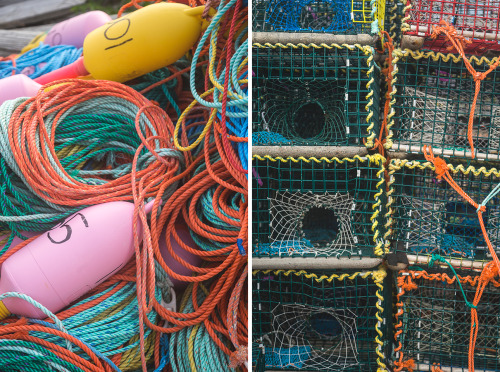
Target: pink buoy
{"x": 16, "y": 86}
{"x": 74, "y": 30}
{"x": 69, "y": 260}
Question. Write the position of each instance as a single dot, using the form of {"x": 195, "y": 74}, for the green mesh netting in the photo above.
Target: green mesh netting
{"x": 429, "y": 217}
{"x": 436, "y": 322}
{"x": 329, "y": 16}
{"x": 312, "y": 321}
{"x": 314, "y": 96}
{"x": 305, "y": 111}
{"x": 433, "y": 103}
{"x": 316, "y": 208}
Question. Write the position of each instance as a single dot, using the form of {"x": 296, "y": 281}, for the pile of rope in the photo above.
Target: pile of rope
{"x": 176, "y": 137}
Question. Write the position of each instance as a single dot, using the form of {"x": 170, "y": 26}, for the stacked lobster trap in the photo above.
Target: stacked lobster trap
{"x": 319, "y": 321}
{"x": 443, "y": 206}
{"x": 318, "y": 196}
{"x": 476, "y": 20}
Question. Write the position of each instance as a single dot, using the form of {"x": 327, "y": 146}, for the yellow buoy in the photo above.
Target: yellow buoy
{"x": 142, "y": 41}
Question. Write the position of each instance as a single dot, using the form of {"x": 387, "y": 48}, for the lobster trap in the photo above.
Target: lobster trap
{"x": 309, "y": 207}
{"x": 315, "y": 96}
{"x": 319, "y": 321}
{"x": 433, "y": 98}
{"x": 427, "y": 216}
{"x": 348, "y": 17}
{"x": 433, "y": 321}
{"x": 477, "y": 20}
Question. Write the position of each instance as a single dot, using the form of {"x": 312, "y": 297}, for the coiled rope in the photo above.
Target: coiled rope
{"x": 39, "y": 61}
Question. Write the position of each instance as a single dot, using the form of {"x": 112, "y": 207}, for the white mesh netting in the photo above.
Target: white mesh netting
{"x": 423, "y": 229}
{"x": 308, "y": 223}
{"x": 426, "y": 116}
{"x": 431, "y": 119}
{"x": 432, "y": 328}
{"x": 311, "y": 337}
{"x": 466, "y": 15}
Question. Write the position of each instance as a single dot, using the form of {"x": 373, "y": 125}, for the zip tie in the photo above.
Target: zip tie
{"x": 239, "y": 243}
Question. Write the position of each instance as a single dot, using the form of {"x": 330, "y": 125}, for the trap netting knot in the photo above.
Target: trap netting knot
{"x": 310, "y": 15}
{"x": 304, "y": 112}
{"x": 312, "y": 336}
{"x": 304, "y": 223}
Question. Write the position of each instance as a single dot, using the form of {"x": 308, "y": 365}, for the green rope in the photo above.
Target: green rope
{"x": 436, "y": 257}
{"x": 17, "y": 355}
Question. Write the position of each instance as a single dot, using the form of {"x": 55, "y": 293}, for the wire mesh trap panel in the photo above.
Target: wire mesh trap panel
{"x": 428, "y": 217}
{"x": 319, "y": 321}
{"x": 477, "y": 20}
{"x": 433, "y": 322}
{"x": 348, "y": 17}
{"x": 310, "y": 207}
{"x": 314, "y": 96}
{"x": 433, "y": 101}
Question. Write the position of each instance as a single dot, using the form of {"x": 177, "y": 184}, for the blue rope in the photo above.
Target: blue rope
{"x": 41, "y": 60}
{"x": 165, "y": 355}
{"x": 490, "y": 196}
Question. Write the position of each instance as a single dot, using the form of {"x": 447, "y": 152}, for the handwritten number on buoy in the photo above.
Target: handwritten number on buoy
{"x": 69, "y": 231}
{"x": 116, "y": 31}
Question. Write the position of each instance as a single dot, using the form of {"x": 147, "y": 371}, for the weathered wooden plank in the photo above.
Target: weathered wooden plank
{"x": 35, "y": 11}
{"x": 12, "y": 41}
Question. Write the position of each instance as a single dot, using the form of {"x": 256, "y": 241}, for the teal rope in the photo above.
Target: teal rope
{"x": 241, "y": 52}
{"x": 105, "y": 129}
{"x": 165, "y": 93}
{"x": 436, "y": 257}
{"x": 490, "y": 196}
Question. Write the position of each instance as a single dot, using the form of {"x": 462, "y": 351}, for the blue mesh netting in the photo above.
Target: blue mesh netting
{"x": 294, "y": 357}
{"x": 450, "y": 245}
{"x": 310, "y": 15}
{"x": 268, "y": 138}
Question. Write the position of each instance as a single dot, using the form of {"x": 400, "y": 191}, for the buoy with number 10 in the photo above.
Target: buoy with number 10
{"x": 141, "y": 42}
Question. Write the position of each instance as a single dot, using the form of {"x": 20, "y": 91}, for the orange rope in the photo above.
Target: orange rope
{"x": 458, "y": 42}
{"x": 441, "y": 169}
{"x": 406, "y": 283}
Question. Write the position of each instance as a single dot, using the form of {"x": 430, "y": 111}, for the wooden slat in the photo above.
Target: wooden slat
{"x": 12, "y": 41}
{"x": 35, "y": 11}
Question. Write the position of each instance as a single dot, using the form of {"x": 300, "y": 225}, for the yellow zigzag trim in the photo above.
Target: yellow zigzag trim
{"x": 367, "y": 50}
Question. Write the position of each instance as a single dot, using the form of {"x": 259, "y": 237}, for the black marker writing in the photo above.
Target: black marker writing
{"x": 116, "y": 31}
{"x": 69, "y": 231}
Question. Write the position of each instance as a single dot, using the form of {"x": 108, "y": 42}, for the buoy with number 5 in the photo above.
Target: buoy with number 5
{"x": 69, "y": 260}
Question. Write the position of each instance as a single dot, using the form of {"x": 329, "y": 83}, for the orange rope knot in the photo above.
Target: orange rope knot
{"x": 406, "y": 283}
{"x": 435, "y": 368}
{"x": 489, "y": 272}
{"x": 238, "y": 357}
{"x": 408, "y": 364}
{"x": 451, "y": 32}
